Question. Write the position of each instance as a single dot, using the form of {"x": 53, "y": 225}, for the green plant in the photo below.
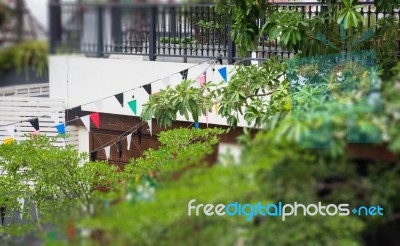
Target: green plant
{"x": 209, "y": 25}
{"x": 176, "y": 40}
{"x": 348, "y": 16}
{"x": 24, "y": 56}
{"x": 55, "y": 183}
{"x": 245, "y": 32}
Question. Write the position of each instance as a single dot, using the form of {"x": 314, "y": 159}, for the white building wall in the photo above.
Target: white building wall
{"x": 80, "y": 80}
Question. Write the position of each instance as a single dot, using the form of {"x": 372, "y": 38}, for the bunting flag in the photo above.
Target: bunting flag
{"x": 184, "y": 74}
{"x": 202, "y": 79}
{"x": 196, "y": 125}
{"x": 120, "y": 98}
{"x": 61, "y": 128}
{"x": 133, "y": 106}
{"x": 216, "y": 108}
{"x": 119, "y": 149}
{"x": 86, "y": 121}
{"x": 128, "y": 140}
{"x": 95, "y": 117}
{"x": 150, "y": 123}
{"x": 35, "y": 123}
{"x": 147, "y": 88}
{"x": 139, "y": 134}
{"x": 166, "y": 81}
{"x": 77, "y": 111}
{"x": 98, "y": 104}
{"x": 8, "y": 140}
{"x": 54, "y": 117}
{"x": 223, "y": 73}
{"x": 93, "y": 156}
{"x": 107, "y": 151}
{"x": 11, "y": 130}
{"x": 36, "y": 132}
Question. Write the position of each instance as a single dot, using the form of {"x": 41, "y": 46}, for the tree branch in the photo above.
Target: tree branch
{"x": 260, "y": 95}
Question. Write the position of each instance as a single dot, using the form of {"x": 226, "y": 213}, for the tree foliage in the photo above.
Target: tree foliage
{"x": 46, "y": 185}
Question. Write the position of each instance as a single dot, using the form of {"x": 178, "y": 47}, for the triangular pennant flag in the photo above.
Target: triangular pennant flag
{"x": 128, "y": 140}
{"x": 165, "y": 81}
{"x": 202, "y": 79}
{"x": 35, "y": 123}
{"x": 216, "y": 108}
{"x": 11, "y": 130}
{"x": 184, "y": 74}
{"x": 147, "y": 88}
{"x": 95, "y": 117}
{"x": 120, "y": 98}
{"x": 133, "y": 106}
{"x": 8, "y": 140}
{"x": 107, "y": 151}
{"x": 77, "y": 111}
{"x": 99, "y": 104}
{"x": 223, "y": 73}
{"x": 139, "y": 134}
{"x": 119, "y": 149}
{"x": 150, "y": 123}
{"x": 36, "y": 132}
{"x": 54, "y": 117}
{"x": 93, "y": 156}
{"x": 61, "y": 128}
{"x": 196, "y": 125}
{"x": 86, "y": 121}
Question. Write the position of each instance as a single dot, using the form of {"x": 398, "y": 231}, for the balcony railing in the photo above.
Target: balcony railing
{"x": 176, "y": 30}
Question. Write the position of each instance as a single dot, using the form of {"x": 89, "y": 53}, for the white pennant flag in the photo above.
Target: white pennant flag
{"x": 98, "y": 104}
{"x": 129, "y": 139}
{"x": 107, "y": 151}
{"x": 165, "y": 81}
{"x": 150, "y": 123}
{"x": 11, "y": 130}
{"x": 54, "y": 117}
{"x": 86, "y": 121}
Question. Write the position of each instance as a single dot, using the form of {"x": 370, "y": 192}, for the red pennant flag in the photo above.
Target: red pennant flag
{"x": 95, "y": 117}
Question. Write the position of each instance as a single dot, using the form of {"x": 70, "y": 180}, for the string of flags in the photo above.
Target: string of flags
{"x": 95, "y": 117}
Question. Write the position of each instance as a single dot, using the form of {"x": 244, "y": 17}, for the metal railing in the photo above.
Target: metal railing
{"x": 177, "y": 30}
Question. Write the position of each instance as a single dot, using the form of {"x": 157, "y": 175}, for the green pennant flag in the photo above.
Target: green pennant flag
{"x": 132, "y": 105}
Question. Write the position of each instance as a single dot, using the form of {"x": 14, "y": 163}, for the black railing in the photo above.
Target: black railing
{"x": 194, "y": 30}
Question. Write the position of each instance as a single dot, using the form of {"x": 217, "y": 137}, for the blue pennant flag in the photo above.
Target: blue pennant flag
{"x": 196, "y": 125}
{"x": 223, "y": 73}
{"x": 61, "y": 128}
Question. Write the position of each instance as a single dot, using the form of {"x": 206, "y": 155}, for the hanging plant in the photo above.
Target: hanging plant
{"x": 25, "y": 56}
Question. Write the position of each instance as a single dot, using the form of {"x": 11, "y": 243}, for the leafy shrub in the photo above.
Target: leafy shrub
{"x": 24, "y": 56}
